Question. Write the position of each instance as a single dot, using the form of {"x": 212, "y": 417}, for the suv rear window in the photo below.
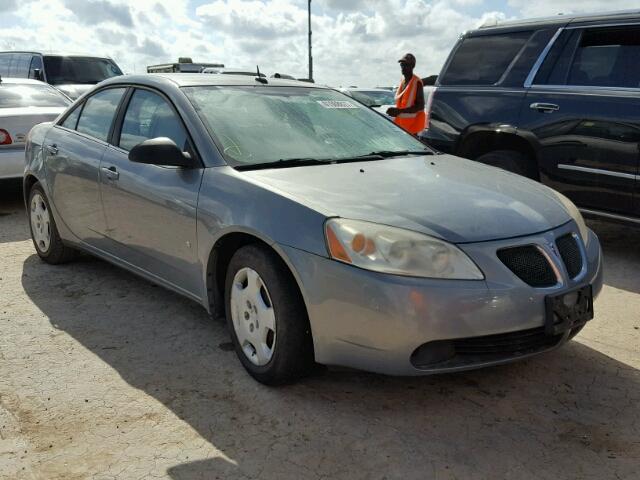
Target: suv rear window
{"x": 482, "y": 60}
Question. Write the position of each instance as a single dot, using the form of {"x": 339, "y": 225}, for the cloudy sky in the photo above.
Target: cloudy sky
{"x": 355, "y": 42}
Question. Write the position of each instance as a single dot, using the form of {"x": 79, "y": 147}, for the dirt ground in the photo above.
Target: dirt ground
{"x": 106, "y": 376}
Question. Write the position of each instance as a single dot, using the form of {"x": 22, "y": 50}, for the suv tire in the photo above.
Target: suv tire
{"x": 511, "y": 161}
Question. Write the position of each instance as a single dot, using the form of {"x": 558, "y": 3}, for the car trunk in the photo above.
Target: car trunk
{"x": 19, "y": 121}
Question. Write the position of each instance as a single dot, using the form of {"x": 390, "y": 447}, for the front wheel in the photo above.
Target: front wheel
{"x": 44, "y": 232}
{"x": 266, "y": 317}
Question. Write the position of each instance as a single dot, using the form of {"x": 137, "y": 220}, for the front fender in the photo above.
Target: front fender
{"x": 230, "y": 202}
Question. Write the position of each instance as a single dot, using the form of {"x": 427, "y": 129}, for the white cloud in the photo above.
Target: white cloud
{"x": 355, "y": 42}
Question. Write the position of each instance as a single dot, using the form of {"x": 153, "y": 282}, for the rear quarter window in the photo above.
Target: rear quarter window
{"x": 482, "y": 60}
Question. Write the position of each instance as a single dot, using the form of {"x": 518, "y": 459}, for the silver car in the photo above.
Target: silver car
{"x": 23, "y": 104}
{"x": 324, "y": 233}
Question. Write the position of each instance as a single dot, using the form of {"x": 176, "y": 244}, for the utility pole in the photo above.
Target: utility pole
{"x": 310, "y": 56}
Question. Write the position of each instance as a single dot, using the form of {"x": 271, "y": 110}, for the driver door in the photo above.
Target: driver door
{"x": 150, "y": 209}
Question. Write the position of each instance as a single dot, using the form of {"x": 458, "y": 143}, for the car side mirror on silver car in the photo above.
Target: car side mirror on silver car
{"x": 160, "y": 151}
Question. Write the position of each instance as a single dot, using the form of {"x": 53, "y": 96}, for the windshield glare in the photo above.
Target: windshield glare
{"x": 23, "y": 95}
{"x": 69, "y": 70}
{"x": 265, "y": 124}
{"x": 372, "y": 98}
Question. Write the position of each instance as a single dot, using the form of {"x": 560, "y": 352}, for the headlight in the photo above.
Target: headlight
{"x": 576, "y": 215}
{"x": 394, "y": 250}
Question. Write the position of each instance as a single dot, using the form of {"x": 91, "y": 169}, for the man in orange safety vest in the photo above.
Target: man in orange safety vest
{"x": 409, "y": 110}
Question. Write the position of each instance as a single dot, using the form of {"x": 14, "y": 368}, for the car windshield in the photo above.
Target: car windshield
{"x": 372, "y": 98}
{"x": 18, "y": 95}
{"x": 259, "y": 124}
{"x": 89, "y": 70}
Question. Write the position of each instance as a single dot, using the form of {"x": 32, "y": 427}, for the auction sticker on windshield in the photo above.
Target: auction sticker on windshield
{"x": 336, "y": 104}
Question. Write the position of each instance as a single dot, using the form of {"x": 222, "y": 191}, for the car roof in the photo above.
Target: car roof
{"x": 202, "y": 79}
{"x": 619, "y": 15}
{"x": 56, "y": 53}
{"x": 21, "y": 81}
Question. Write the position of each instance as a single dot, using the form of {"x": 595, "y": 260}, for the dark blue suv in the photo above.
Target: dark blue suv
{"x": 557, "y": 100}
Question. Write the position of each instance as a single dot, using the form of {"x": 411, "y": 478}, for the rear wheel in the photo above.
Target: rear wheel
{"x": 266, "y": 317}
{"x": 44, "y": 233}
{"x": 512, "y": 161}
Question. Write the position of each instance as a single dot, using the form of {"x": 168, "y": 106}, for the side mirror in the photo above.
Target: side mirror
{"x": 160, "y": 151}
{"x": 37, "y": 74}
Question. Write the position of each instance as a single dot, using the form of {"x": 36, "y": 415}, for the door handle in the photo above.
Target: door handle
{"x": 110, "y": 172}
{"x": 52, "y": 149}
{"x": 544, "y": 107}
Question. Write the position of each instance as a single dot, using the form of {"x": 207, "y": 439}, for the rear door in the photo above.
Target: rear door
{"x": 151, "y": 209}
{"x": 583, "y": 109}
{"x": 74, "y": 149}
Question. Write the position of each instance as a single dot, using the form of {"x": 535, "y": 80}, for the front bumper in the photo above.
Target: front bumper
{"x": 374, "y": 321}
{"x": 12, "y": 161}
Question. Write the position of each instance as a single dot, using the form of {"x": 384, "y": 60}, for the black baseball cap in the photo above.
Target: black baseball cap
{"x": 409, "y": 59}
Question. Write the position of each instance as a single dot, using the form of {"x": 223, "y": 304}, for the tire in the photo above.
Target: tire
{"x": 512, "y": 161}
{"x": 44, "y": 232}
{"x": 272, "y": 356}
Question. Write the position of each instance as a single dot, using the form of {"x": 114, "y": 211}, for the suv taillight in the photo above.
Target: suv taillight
{"x": 427, "y": 107}
{"x": 5, "y": 138}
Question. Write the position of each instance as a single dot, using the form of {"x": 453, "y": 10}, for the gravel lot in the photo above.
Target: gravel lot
{"x": 104, "y": 375}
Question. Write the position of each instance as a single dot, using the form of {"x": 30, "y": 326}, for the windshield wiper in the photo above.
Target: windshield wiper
{"x": 283, "y": 163}
{"x": 400, "y": 153}
{"x": 307, "y": 161}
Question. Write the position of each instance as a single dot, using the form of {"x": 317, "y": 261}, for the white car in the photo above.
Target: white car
{"x": 376, "y": 98}
{"x": 23, "y": 104}
{"x": 233, "y": 71}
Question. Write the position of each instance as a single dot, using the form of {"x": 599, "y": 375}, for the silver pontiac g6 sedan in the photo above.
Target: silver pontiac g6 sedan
{"x": 324, "y": 233}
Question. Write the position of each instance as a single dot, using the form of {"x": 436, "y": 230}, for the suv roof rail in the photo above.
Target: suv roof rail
{"x": 566, "y": 17}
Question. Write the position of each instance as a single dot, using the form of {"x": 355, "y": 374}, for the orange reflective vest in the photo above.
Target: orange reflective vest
{"x": 406, "y": 97}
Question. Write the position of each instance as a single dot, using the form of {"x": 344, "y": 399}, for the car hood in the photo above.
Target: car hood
{"x": 441, "y": 195}
{"x": 74, "y": 90}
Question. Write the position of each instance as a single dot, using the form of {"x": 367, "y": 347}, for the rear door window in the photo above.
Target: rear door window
{"x": 607, "y": 57}
{"x": 98, "y": 112}
{"x": 595, "y": 57}
{"x": 72, "y": 119}
{"x": 482, "y": 60}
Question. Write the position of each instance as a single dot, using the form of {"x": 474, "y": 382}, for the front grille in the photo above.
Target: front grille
{"x": 529, "y": 264}
{"x": 506, "y": 344}
{"x": 467, "y": 352}
{"x": 570, "y": 253}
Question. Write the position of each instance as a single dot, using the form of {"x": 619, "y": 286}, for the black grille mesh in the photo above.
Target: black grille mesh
{"x": 513, "y": 343}
{"x": 529, "y": 264}
{"x": 570, "y": 253}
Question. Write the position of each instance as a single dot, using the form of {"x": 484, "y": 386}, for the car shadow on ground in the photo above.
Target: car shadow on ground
{"x": 621, "y": 254}
{"x": 13, "y": 222}
{"x": 571, "y": 413}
